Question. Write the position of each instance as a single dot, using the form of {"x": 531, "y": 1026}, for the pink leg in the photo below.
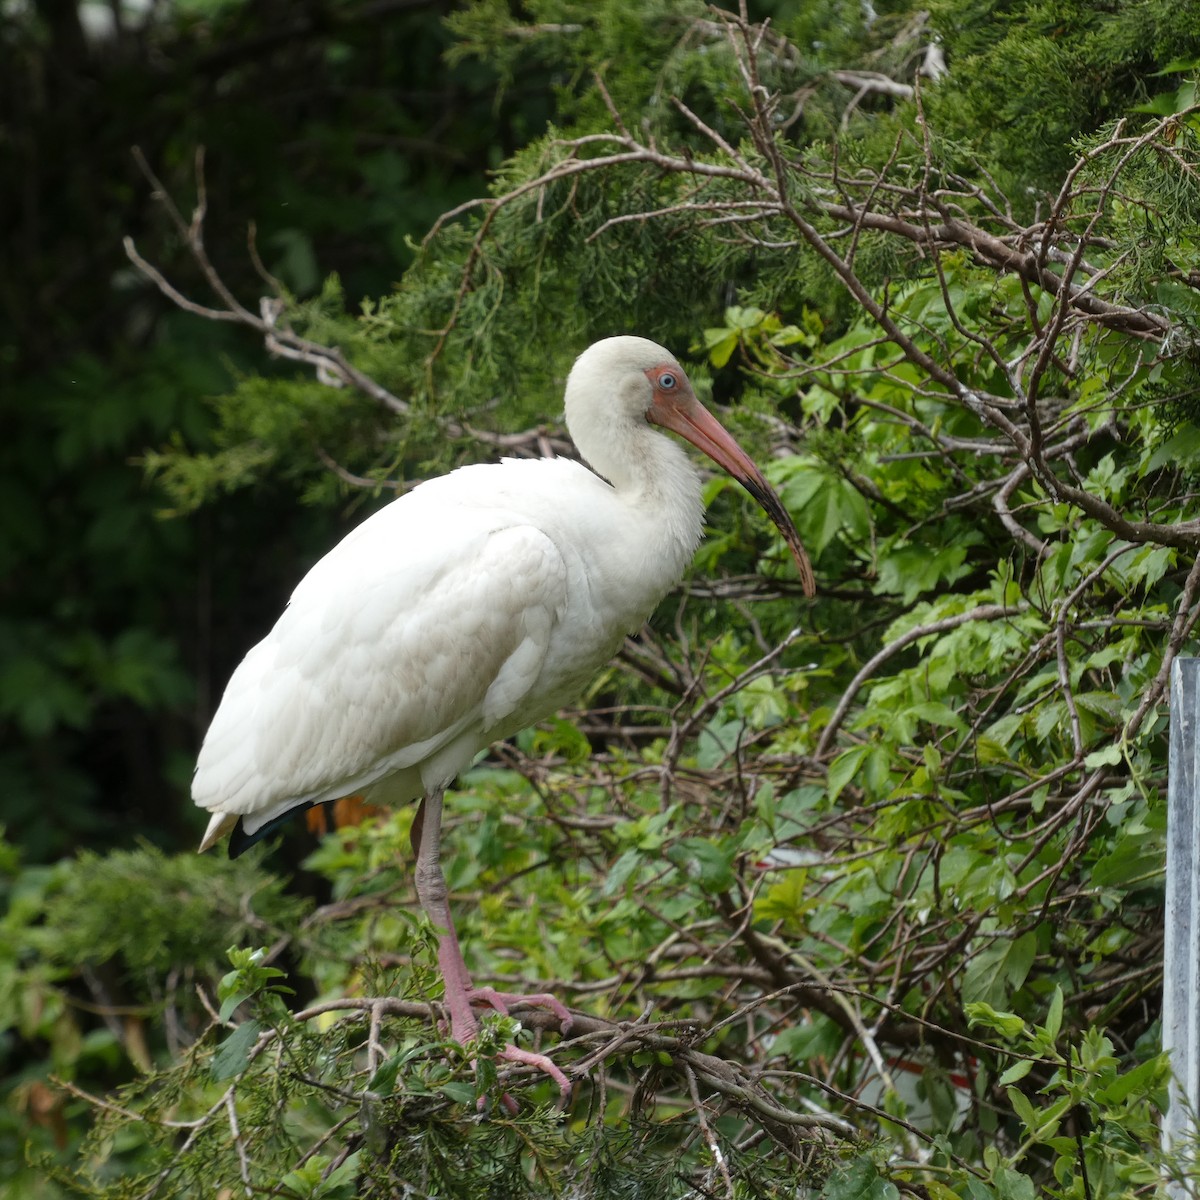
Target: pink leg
{"x": 460, "y": 994}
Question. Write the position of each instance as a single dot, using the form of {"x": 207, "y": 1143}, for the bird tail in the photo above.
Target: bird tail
{"x": 218, "y": 827}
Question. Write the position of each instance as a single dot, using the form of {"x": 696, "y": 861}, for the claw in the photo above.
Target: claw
{"x": 503, "y": 1001}
{"x": 528, "y": 1058}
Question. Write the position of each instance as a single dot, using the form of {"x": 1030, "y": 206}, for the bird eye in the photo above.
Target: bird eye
{"x": 667, "y": 381}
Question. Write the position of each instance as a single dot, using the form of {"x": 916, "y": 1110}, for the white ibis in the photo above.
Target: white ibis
{"x": 467, "y": 609}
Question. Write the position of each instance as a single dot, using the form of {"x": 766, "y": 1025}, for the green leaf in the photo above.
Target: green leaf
{"x": 383, "y": 1082}
{"x": 976, "y": 1189}
{"x": 231, "y": 1002}
{"x": 1107, "y": 756}
{"x": 1012, "y": 1185}
{"x": 1005, "y": 1023}
{"x": 700, "y": 859}
{"x": 564, "y": 739}
{"x": 1181, "y": 447}
{"x": 1054, "y": 1015}
{"x": 233, "y": 1054}
{"x": 1179, "y": 65}
{"x": 1134, "y": 857}
{"x": 934, "y": 712}
{"x": 843, "y": 768}
{"x": 813, "y": 1038}
{"x": 1024, "y": 1109}
{"x": 621, "y": 871}
{"x": 859, "y": 1181}
{"x": 1146, "y": 1077}
{"x": 908, "y": 571}
{"x": 825, "y": 504}
{"x": 720, "y": 344}
{"x": 995, "y": 973}
{"x": 1016, "y": 1072}
{"x": 39, "y": 697}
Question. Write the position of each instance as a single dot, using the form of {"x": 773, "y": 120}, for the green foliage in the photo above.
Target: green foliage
{"x": 146, "y": 914}
{"x": 98, "y": 955}
{"x": 1032, "y": 77}
{"x": 858, "y": 899}
{"x": 89, "y": 635}
{"x": 1088, "y": 1115}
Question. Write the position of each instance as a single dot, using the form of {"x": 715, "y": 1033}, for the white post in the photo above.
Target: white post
{"x": 1181, "y": 946}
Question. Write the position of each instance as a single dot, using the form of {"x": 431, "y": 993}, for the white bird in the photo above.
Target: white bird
{"x": 464, "y": 611}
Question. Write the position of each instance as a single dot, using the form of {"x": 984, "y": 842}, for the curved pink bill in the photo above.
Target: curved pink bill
{"x": 680, "y": 412}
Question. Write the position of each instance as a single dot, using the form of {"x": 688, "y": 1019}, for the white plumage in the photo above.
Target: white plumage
{"x": 464, "y": 611}
{"x": 453, "y": 617}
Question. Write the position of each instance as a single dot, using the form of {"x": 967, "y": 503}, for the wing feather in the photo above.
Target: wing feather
{"x": 422, "y": 630}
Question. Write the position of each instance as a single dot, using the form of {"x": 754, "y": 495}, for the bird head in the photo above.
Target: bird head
{"x": 626, "y": 382}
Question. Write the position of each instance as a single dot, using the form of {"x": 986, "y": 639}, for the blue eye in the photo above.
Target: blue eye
{"x": 666, "y": 381}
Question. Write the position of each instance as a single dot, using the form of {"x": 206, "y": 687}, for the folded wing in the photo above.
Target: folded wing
{"x": 399, "y": 651}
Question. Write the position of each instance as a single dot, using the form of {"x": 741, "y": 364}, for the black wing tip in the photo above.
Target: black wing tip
{"x": 240, "y": 841}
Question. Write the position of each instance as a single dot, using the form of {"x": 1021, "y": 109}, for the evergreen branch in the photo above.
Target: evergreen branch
{"x": 770, "y": 195}
{"x": 331, "y": 365}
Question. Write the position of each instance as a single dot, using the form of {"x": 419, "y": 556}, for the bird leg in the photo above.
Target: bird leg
{"x": 460, "y": 992}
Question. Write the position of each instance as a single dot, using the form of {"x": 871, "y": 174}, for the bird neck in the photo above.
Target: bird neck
{"x": 660, "y": 489}
{"x": 650, "y": 473}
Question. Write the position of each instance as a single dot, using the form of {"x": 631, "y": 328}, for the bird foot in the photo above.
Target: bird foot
{"x": 527, "y": 1058}
{"x": 503, "y": 1001}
